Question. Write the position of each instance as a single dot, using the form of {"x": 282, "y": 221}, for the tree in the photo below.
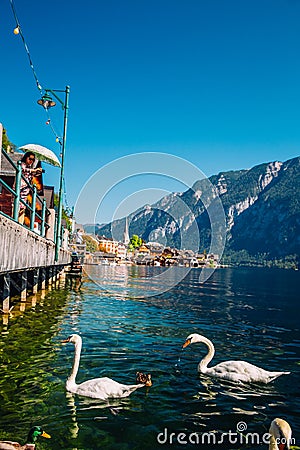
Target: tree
{"x": 65, "y": 214}
{"x": 6, "y": 143}
{"x": 91, "y": 243}
{"x": 135, "y": 242}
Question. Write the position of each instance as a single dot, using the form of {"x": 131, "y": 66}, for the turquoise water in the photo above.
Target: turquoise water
{"x": 250, "y": 314}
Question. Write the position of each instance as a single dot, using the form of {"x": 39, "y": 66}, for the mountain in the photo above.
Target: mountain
{"x": 92, "y": 228}
{"x": 250, "y": 214}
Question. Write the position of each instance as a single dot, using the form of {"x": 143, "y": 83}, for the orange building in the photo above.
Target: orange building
{"x": 107, "y": 245}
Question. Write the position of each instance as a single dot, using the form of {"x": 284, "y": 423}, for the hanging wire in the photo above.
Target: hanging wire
{"x": 18, "y": 27}
{"x": 49, "y": 122}
{"x": 25, "y": 45}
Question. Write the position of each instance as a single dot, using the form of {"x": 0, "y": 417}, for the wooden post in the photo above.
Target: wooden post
{"x": 57, "y": 275}
{"x": 43, "y": 228}
{"x": 33, "y": 206}
{"x": 23, "y": 285}
{"x": 35, "y": 281}
{"x": 17, "y": 189}
{"x": 54, "y": 276}
{"x": 6, "y": 293}
{"x": 43, "y": 278}
{"x": 62, "y": 273}
{"x": 49, "y": 270}
{"x": 62, "y": 277}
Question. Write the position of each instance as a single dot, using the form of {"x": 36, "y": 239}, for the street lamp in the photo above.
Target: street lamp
{"x": 47, "y": 102}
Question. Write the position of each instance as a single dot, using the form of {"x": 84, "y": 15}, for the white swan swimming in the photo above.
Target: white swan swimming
{"x": 280, "y": 435}
{"x": 237, "y": 371}
{"x": 101, "y": 388}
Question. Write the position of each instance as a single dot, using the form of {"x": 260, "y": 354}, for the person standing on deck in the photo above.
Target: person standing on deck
{"x": 78, "y": 236}
{"x": 28, "y": 172}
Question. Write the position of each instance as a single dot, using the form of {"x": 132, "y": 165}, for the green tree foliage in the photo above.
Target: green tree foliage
{"x": 65, "y": 215}
{"x": 135, "y": 242}
{"x": 6, "y": 143}
{"x": 243, "y": 259}
{"x": 91, "y": 244}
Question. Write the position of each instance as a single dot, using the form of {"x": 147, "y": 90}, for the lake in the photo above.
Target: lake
{"x": 130, "y": 321}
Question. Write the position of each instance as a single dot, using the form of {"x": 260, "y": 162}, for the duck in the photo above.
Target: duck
{"x": 33, "y": 435}
{"x": 144, "y": 378}
{"x": 280, "y": 435}
{"x": 236, "y": 371}
{"x": 99, "y": 388}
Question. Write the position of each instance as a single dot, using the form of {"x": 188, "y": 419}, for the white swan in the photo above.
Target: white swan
{"x": 237, "y": 371}
{"x": 280, "y": 435}
{"x": 101, "y": 388}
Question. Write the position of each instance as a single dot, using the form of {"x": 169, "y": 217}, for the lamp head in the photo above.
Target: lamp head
{"x": 46, "y": 101}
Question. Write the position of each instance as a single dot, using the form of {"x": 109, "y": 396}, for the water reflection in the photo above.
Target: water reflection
{"x": 32, "y": 301}
{"x": 73, "y": 282}
{"x": 124, "y": 335}
{"x": 74, "y": 428}
{"x": 135, "y": 281}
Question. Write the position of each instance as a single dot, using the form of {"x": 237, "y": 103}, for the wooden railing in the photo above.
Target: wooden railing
{"x": 10, "y": 200}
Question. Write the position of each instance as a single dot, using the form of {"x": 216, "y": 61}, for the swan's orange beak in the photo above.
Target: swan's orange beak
{"x": 65, "y": 341}
{"x": 45, "y": 435}
{"x": 282, "y": 446}
{"x": 187, "y": 342}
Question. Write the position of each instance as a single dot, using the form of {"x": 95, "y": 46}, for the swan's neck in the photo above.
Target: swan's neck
{"x": 273, "y": 444}
{"x": 202, "y": 366}
{"x": 280, "y": 431}
{"x": 75, "y": 366}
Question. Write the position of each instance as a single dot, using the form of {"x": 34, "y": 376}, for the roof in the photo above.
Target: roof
{"x": 49, "y": 196}
{"x": 6, "y": 168}
{"x": 143, "y": 248}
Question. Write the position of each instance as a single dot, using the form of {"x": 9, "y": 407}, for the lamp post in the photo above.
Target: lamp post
{"x": 47, "y": 102}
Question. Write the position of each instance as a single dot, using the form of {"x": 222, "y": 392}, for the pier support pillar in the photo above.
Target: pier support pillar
{"x": 55, "y": 275}
{"x": 43, "y": 278}
{"x": 35, "y": 281}
{"x": 23, "y": 285}
{"x": 58, "y": 269}
{"x": 50, "y": 277}
{"x": 6, "y": 293}
{"x": 62, "y": 274}
{"x": 62, "y": 278}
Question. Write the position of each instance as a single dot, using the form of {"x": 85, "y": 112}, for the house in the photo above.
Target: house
{"x": 156, "y": 249}
{"x": 121, "y": 250}
{"x": 143, "y": 250}
{"x": 108, "y": 245}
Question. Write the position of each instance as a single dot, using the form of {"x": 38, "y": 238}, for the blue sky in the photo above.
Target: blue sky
{"x": 214, "y": 82}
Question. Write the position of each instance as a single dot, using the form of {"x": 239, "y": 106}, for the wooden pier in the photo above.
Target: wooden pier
{"x": 27, "y": 262}
{"x": 20, "y": 284}
{"x": 28, "y": 255}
